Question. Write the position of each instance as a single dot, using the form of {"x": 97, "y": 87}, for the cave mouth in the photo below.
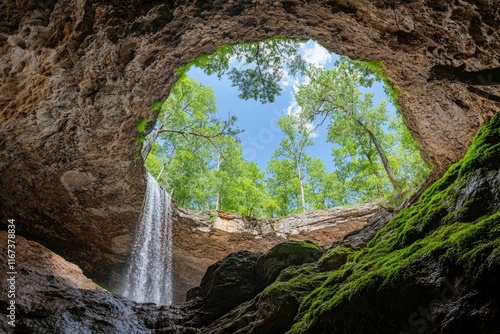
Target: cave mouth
{"x": 209, "y": 159}
{"x": 85, "y": 136}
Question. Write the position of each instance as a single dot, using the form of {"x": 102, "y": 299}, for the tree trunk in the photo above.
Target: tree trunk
{"x": 382, "y": 156}
{"x": 302, "y": 195}
{"x": 151, "y": 141}
{"x": 161, "y": 172}
{"x": 217, "y": 199}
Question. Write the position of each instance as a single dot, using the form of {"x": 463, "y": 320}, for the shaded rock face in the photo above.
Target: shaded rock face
{"x": 226, "y": 284}
{"x": 77, "y": 77}
{"x": 292, "y": 253}
{"x": 291, "y": 272}
{"x": 57, "y": 297}
{"x": 95, "y": 311}
{"x": 54, "y": 296}
{"x": 40, "y": 269}
{"x": 202, "y": 238}
{"x": 239, "y": 277}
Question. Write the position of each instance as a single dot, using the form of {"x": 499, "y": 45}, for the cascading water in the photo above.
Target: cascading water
{"x": 149, "y": 272}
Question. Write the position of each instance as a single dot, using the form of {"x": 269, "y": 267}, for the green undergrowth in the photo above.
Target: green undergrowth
{"x": 455, "y": 224}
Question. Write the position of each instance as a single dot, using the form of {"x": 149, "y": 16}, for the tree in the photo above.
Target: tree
{"x": 256, "y": 69}
{"x": 323, "y": 188}
{"x": 189, "y": 111}
{"x": 360, "y": 130}
{"x": 297, "y": 181}
{"x": 292, "y": 147}
{"x": 283, "y": 187}
{"x": 334, "y": 94}
{"x": 197, "y": 157}
{"x": 240, "y": 183}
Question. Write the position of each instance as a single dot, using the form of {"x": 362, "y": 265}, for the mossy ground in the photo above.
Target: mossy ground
{"x": 452, "y": 231}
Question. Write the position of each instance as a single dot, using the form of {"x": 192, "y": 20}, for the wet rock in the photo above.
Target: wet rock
{"x": 226, "y": 284}
{"x": 291, "y": 253}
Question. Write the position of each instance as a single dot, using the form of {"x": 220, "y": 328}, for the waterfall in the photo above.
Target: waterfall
{"x": 149, "y": 272}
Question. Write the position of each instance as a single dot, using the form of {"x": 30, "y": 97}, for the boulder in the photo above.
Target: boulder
{"x": 291, "y": 253}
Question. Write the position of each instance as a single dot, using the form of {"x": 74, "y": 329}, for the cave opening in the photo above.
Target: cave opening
{"x": 71, "y": 181}
{"x": 279, "y": 127}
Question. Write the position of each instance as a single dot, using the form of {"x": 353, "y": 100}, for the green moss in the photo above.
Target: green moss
{"x": 101, "y": 284}
{"x": 141, "y": 126}
{"x": 447, "y": 226}
{"x": 281, "y": 256}
{"x": 335, "y": 257}
{"x": 292, "y": 244}
{"x": 295, "y": 281}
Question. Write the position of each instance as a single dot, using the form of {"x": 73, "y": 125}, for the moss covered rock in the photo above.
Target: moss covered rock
{"x": 226, "y": 284}
{"x": 275, "y": 309}
{"x": 284, "y": 255}
{"x": 335, "y": 257}
{"x": 433, "y": 268}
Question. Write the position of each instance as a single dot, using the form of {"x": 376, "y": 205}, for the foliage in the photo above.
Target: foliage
{"x": 197, "y": 158}
{"x": 256, "y": 69}
{"x": 297, "y": 181}
{"x": 369, "y": 140}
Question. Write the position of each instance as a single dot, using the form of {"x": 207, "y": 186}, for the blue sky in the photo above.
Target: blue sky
{"x": 261, "y": 136}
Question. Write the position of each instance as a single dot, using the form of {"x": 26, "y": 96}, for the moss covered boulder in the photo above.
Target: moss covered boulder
{"x": 226, "y": 284}
{"x": 434, "y": 268}
{"x": 284, "y": 255}
{"x": 335, "y": 257}
{"x": 275, "y": 308}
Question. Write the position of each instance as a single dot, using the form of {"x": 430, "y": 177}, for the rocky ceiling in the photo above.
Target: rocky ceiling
{"x": 77, "y": 76}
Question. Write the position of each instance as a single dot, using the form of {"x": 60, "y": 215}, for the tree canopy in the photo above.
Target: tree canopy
{"x": 256, "y": 69}
{"x": 372, "y": 144}
{"x": 198, "y": 157}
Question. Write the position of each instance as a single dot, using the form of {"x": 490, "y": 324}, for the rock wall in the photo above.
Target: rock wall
{"x": 203, "y": 238}
{"x": 433, "y": 267}
{"x": 77, "y": 76}
{"x": 38, "y": 271}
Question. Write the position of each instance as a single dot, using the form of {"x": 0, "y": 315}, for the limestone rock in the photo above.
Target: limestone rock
{"x": 202, "y": 238}
{"x": 226, "y": 284}
{"x": 39, "y": 269}
{"x": 78, "y": 76}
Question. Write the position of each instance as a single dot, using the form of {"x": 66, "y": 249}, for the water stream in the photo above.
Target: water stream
{"x": 149, "y": 272}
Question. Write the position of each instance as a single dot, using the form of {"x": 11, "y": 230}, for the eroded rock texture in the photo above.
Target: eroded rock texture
{"x": 76, "y": 77}
{"x": 203, "y": 238}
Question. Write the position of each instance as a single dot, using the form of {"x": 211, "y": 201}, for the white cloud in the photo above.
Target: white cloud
{"x": 312, "y": 130}
{"x": 315, "y": 54}
{"x": 293, "y": 108}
